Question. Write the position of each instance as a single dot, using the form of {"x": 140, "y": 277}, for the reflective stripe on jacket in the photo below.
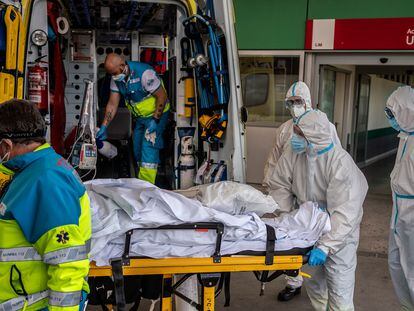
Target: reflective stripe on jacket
{"x": 45, "y": 229}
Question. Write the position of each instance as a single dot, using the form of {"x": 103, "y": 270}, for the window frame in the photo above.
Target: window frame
{"x": 267, "y": 94}
{"x": 274, "y": 53}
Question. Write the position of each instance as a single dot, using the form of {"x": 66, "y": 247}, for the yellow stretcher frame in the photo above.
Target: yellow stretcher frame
{"x": 207, "y": 266}
{"x": 168, "y": 267}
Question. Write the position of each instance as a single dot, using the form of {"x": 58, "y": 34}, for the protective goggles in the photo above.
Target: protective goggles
{"x": 294, "y": 102}
{"x": 388, "y": 113}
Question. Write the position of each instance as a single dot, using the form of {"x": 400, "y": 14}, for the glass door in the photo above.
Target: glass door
{"x": 327, "y": 92}
{"x": 360, "y": 147}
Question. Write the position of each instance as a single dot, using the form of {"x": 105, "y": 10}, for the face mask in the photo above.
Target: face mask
{"x": 297, "y": 111}
{"x": 298, "y": 143}
{"x": 394, "y": 124}
{"x": 6, "y": 157}
{"x": 120, "y": 77}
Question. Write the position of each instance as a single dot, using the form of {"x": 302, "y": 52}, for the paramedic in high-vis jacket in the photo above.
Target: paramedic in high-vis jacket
{"x": 147, "y": 100}
{"x": 45, "y": 221}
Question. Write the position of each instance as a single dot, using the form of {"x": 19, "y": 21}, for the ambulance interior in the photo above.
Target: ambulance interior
{"x": 153, "y": 33}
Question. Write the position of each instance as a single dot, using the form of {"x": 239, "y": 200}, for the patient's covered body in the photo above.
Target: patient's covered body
{"x": 123, "y": 204}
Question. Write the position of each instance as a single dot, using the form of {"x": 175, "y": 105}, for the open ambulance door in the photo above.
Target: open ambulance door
{"x": 13, "y": 38}
{"x": 10, "y": 21}
{"x": 219, "y": 95}
{"x": 225, "y": 17}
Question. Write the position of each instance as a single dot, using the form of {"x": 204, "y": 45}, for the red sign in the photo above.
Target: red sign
{"x": 360, "y": 34}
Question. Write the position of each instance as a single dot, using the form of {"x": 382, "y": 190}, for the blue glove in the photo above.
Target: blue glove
{"x": 152, "y": 127}
{"x": 317, "y": 257}
{"x": 102, "y": 133}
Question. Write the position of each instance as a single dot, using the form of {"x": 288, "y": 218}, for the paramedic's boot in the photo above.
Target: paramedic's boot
{"x": 288, "y": 293}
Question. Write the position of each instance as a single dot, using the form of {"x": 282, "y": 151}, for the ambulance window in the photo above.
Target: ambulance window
{"x": 255, "y": 89}
{"x": 265, "y": 81}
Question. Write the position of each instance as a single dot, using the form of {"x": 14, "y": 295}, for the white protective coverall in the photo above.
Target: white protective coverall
{"x": 283, "y": 136}
{"x": 401, "y": 243}
{"x": 326, "y": 174}
{"x": 284, "y": 131}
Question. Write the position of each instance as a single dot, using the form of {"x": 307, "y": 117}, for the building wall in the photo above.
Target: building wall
{"x": 381, "y": 89}
{"x": 270, "y": 24}
{"x": 381, "y": 137}
{"x": 320, "y": 9}
{"x": 280, "y": 24}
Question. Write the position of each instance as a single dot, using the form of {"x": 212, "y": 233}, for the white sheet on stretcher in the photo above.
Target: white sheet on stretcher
{"x": 122, "y": 204}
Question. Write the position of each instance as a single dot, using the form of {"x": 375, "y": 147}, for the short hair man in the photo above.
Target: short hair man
{"x": 45, "y": 221}
{"x": 147, "y": 100}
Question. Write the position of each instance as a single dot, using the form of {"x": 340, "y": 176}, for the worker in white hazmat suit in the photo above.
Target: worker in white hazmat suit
{"x": 313, "y": 168}
{"x": 298, "y": 101}
{"x": 400, "y": 113}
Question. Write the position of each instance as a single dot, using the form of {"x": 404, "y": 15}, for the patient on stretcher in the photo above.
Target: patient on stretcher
{"x": 123, "y": 204}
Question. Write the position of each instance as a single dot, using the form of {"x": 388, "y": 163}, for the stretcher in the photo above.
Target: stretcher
{"x": 266, "y": 266}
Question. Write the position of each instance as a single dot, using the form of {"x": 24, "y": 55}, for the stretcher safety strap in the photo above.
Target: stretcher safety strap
{"x": 270, "y": 245}
{"x": 119, "y": 285}
{"x": 18, "y": 303}
{"x": 19, "y": 254}
{"x": 68, "y": 254}
{"x": 62, "y": 299}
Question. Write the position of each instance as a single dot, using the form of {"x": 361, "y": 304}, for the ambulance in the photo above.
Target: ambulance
{"x": 52, "y": 53}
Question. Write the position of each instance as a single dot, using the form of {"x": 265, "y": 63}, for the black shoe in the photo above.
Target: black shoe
{"x": 288, "y": 293}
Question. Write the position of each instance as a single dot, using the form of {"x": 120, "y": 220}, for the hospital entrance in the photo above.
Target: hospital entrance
{"x": 352, "y": 89}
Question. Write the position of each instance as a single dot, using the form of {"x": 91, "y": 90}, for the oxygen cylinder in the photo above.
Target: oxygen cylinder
{"x": 105, "y": 148}
{"x": 186, "y": 160}
{"x": 187, "y": 163}
{"x": 190, "y": 289}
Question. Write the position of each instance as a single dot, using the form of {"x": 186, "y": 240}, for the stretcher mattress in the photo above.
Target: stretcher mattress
{"x": 124, "y": 204}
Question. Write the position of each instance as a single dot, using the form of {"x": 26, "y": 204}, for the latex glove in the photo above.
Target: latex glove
{"x": 102, "y": 133}
{"x": 151, "y": 137}
{"x": 152, "y": 127}
{"x": 317, "y": 257}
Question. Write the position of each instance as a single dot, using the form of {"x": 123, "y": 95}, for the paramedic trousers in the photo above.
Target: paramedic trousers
{"x": 331, "y": 287}
{"x": 294, "y": 281}
{"x": 146, "y": 154}
{"x": 401, "y": 252}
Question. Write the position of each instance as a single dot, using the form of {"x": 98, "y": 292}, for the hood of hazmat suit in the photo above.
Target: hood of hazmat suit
{"x": 401, "y": 103}
{"x": 401, "y": 247}
{"x": 325, "y": 174}
{"x": 284, "y": 132}
{"x": 316, "y": 127}
{"x": 302, "y": 90}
